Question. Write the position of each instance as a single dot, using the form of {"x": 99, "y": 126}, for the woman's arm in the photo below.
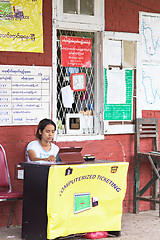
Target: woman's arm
{"x": 33, "y": 157}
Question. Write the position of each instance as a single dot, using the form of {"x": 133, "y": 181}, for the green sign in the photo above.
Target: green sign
{"x": 122, "y": 111}
{"x": 82, "y": 202}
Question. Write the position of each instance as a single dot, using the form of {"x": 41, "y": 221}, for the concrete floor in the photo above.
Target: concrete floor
{"x": 143, "y": 226}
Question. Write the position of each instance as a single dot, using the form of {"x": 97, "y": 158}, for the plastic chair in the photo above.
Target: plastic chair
{"x": 6, "y": 193}
{"x": 146, "y": 128}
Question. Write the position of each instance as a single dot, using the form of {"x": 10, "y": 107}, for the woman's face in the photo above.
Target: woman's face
{"x": 47, "y": 133}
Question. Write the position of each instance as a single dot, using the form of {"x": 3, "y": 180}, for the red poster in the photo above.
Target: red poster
{"x": 76, "y": 52}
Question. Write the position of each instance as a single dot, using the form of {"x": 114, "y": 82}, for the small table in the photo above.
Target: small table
{"x": 49, "y": 198}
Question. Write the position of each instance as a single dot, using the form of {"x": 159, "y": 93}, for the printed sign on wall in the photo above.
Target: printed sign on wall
{"x": 21, "y": 27}
{"x": 24, "y": 94}
{"x": 149, "y": 29}
{"x": 148, "y": 88}
{"x": 118, "y": 105}
{"x": 76, "y": 52}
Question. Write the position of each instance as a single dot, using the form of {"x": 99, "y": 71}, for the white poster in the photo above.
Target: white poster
{"x": 116, "y": 89}
{"x": 115, "y": 53}
{"x": 148, "y": 95}
{"x": 24, "y": 94}
{"x": 149, "y": 30}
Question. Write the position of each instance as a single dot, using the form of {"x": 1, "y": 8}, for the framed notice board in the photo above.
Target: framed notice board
{"x": 120, "y": 68}
{"x": 114, "y": 110}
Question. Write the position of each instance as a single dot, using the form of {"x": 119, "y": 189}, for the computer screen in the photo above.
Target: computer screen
{"x": 82, "y": 202}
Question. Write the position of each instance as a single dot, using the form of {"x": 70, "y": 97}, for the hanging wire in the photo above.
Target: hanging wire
{"x": 153, "y": 10}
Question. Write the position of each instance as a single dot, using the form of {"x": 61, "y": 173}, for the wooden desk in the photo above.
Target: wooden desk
{"x": 36, "y": 182}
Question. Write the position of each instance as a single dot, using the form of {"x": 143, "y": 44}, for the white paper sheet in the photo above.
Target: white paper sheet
{"x": 116, "y": 87}
{"x": 115, "y": 53}
{"x": 67, "y": 96}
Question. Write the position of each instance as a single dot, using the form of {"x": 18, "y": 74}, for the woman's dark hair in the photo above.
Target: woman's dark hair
{"x": 41, "y": 126}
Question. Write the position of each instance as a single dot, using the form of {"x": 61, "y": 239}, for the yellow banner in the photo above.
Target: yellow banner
{"x": 85, "y": 198}
{"x": 21, "y": 27}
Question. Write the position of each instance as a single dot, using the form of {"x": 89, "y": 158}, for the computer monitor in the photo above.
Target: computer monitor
{"x": 69, "y": 155}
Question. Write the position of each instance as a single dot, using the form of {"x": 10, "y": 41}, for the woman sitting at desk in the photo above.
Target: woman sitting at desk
{"x": 43, "y": 148}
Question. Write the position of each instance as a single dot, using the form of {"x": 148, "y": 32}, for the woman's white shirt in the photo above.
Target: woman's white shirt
{"x": 39, "y": 151}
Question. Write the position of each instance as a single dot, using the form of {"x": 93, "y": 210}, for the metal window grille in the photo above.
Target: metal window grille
{"x": 83, "y": 100}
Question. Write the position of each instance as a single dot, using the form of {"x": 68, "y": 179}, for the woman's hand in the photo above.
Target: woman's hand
{"x": 32, "y": 157}
{"x": 51, "y": 158}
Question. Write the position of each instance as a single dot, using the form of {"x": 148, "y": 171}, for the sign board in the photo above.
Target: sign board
{"x": 148, "y": 90}
{"x": 89, "y": 199}
{"x": 82, "y": 202}
{"x": 24, "y": 94}
{"x": 21, "y": 27}
{"x": 118, "y": 95}
{"x": 149, "y": 30}
{"x": 76, "y": 52}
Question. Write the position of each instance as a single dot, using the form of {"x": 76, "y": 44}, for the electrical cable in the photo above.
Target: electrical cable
{"x": 143, "y": 6}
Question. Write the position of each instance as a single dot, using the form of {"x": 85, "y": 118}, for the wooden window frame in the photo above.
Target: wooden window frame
{"x": 122, "y": 127}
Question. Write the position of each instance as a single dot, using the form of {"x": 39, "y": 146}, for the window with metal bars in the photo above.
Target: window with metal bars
{"x": 83, "y": 101}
